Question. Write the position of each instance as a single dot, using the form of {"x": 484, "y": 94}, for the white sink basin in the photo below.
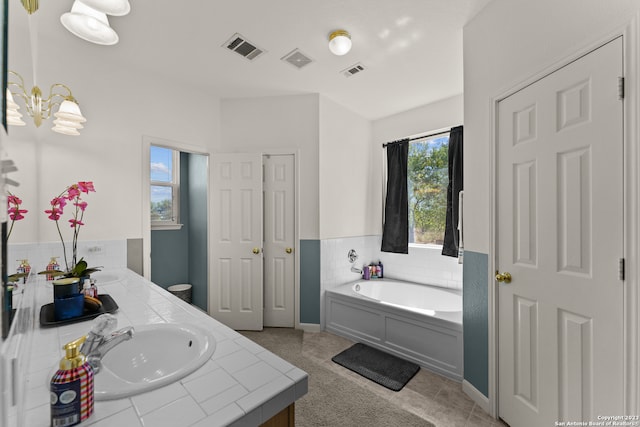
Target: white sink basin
{"x": 157, "y": 355}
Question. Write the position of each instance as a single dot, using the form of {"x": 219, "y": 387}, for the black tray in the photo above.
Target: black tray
{"x": 47, "y": 315}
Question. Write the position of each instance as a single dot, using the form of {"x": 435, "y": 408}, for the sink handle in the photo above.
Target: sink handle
{"x": 104, "y": 324}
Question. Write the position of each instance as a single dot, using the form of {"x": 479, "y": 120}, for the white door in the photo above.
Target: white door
{"x": 279, "y": 239}
{"x": 560, "y": 236}
{"x": 235, "y": 294}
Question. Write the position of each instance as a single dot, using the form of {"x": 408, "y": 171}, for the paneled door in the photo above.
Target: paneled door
{"x": 560, "y": 241}
{"x": 235, "y": 294}
{"x": 279, "y": 240}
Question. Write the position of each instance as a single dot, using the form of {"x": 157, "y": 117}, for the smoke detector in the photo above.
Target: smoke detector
{"x": 297, "y": 58}
{"x": 353, "y": 70}
{"x": 240, "y": 45}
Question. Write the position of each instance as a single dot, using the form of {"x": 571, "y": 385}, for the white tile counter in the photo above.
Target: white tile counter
{"x": 242, "y": 384}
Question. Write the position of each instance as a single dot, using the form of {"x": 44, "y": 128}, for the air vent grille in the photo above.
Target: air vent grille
{"x": 239, "y": 44}
{"x": 297, "y": 59}
{"x": 353, "y": 70}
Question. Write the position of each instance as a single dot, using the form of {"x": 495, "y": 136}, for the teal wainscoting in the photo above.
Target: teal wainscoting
{"x": 310, "y": 281}
{"x": 476, "y": 320}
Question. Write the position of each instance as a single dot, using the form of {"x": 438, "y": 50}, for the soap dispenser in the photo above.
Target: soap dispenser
{"x": 52, "y": 266}
{"x": 72, "y": 388}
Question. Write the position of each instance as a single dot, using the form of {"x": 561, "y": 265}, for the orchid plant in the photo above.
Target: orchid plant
{"x": 72, "y": 195}
{"x": 14, "y": 211}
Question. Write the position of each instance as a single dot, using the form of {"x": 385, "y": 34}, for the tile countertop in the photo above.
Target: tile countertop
{"x": 242, "y": 384}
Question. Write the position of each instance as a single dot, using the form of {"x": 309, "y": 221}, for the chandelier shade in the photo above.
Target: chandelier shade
{"x": 110, "y": 7}
{"x": 14, "y": 117}
{"x": 89, "y": 24}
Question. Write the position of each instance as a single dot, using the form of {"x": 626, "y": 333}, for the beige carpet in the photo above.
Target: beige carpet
{"x": 332, "y": 400}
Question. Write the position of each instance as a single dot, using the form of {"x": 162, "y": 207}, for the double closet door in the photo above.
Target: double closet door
{"x": 252, "y": 245}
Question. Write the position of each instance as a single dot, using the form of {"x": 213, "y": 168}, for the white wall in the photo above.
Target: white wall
{"x": 274, "y": 124}
{"x": 349, "y": 181}
{"x": 507, "y": 43}
{"x": 121, "y": 105}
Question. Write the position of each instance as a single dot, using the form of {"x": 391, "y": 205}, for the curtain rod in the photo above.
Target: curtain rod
{"x": 419, "y": 137}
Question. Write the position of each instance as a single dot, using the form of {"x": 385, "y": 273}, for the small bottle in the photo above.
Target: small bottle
{"x": 52, "y": 266}
{"x": 380, "y": 270}
{"x": 94, "y": 289}
{"x": 72, "y": 388}
{"x": 374, "y": 271}
{"x": 366, "y": 272}
{"x": 86, "y": 289}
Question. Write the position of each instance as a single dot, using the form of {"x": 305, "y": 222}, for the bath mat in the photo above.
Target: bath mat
{"x": 380, "y": 367}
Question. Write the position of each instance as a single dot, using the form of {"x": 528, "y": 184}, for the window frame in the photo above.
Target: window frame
{"x": 174, "y": 223}
{"x": 431, "y": 136}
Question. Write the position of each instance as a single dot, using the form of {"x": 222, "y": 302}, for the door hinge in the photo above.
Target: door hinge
{"x": 621, "y": 269}
{"x": 620, "y": 88}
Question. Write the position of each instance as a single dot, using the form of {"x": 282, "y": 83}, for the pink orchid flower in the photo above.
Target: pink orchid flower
{"x": 59, "y": 201}
{"x": 86, "y": 186}
{"x": 14, "y": 211}
{"x": 15, "y": 214}
{"x": 13, "y": 200}
{"x": 73, "y": 192}
{"x": 54, "y": 213}
{"x": 81, "y": 205}
{"x": 75, "y": 223}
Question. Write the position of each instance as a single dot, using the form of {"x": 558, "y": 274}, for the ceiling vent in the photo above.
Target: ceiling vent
{"x": 297, "y": 58}
{"x": 353, "y": 70}
{"x": 240, "y": 45}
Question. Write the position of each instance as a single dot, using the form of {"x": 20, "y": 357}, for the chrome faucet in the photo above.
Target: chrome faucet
{"x": 98, "y": 343}
{"x": 353, "y": 257}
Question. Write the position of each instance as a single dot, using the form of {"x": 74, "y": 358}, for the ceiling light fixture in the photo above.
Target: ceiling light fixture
{"x": 339, "y": 42}
{"x": 69, "y": 118}
{"x": 88, "y": 19}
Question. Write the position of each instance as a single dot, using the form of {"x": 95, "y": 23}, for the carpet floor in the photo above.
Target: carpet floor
{"x": 332, "y": 400}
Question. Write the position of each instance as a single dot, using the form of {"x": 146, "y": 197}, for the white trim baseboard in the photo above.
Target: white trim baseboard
{"x": 480, "y": 399}
{"x": 309, "y": 327}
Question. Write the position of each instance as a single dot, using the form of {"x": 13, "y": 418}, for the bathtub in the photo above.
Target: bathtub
{"x": 416, "y": 322}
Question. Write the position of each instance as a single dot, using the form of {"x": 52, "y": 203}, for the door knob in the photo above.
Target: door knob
{"x": 256, "y": 251}
{"x": 504, "y": 277}
{"x": 288, "y": 250}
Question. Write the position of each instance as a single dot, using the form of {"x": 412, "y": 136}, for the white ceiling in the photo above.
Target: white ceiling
{"x": 412, "y": 49}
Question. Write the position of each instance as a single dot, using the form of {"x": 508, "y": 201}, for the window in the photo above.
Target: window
{"x": 428, "y": 176}
{"x": 165, "y": 188}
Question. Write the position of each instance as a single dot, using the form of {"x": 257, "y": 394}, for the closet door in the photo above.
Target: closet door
{"x": 279, "y": 240}
{"x": 235, "y": 290}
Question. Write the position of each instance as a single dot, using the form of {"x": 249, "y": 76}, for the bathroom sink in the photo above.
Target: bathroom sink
{"x": 157, "y": 355}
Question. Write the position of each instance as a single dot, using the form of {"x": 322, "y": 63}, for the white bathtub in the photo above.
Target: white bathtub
{"x": 416, "y": 322}
{"x": 423, "y": 299}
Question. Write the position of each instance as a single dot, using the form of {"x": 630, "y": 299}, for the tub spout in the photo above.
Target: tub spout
{"x": 355, "y": 269}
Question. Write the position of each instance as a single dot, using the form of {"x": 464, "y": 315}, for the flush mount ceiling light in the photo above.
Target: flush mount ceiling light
{"x": 339, "y": 42}
{"x": 88, "y": 19}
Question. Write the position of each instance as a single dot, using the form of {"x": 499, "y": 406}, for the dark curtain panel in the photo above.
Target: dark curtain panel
{"x": 395, "y": 233}
{"x": 451, "y": 235}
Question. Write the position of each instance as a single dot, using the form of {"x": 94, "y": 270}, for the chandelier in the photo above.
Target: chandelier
{"x": 68, "y": 117}
{"x": 86, "y": 20}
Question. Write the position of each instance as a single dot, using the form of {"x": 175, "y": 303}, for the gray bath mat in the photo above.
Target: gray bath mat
{"x": 380, "y": 367}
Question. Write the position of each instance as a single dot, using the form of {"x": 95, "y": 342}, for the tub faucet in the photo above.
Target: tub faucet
{"x": 355, "y": 269}
{"x": 101, "y": 340}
